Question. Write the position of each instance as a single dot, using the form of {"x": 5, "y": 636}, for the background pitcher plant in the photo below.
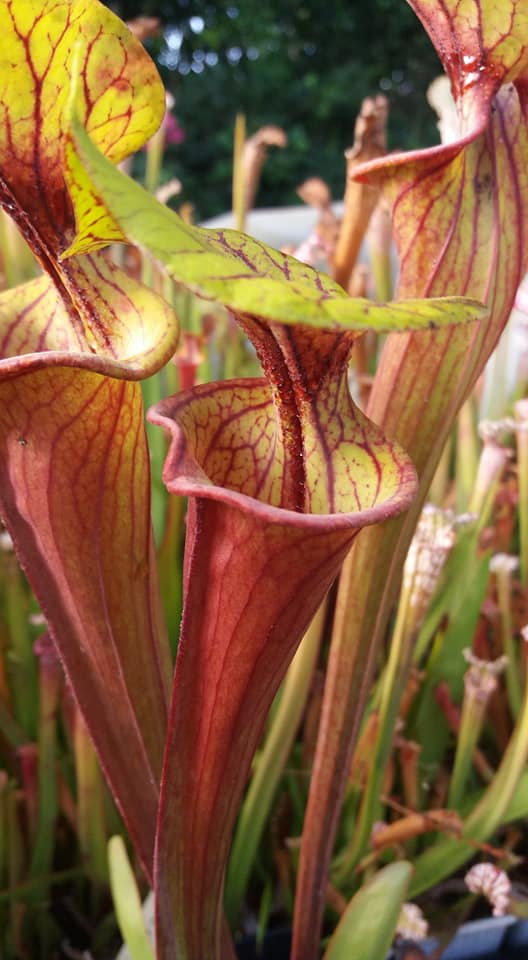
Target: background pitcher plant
{"x": 459, "y": 216}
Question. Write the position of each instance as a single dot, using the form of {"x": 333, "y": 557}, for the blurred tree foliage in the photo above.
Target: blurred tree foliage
{"x": 304, "y": 65}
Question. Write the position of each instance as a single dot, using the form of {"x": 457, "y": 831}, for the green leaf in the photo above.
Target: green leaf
{"x": 127, "y": 901}
{"x": 518, "y": 806}
{"x": 367, "y": 927}
{"x": 120, "y": 98}
{"x": 243, "y": 274}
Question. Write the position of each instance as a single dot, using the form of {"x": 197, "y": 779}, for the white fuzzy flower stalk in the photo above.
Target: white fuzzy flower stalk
{"x": 480, "y": 682}
{"x": 412, "y": 924}
{"x": 492, "y": 883}
{"x": 493, "y": 458}
{"x": 503, "y": 566}
{"x": 432, "y": 542}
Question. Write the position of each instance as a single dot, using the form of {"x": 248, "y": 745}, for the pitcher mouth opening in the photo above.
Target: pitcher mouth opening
{"x": 211, "y": 456}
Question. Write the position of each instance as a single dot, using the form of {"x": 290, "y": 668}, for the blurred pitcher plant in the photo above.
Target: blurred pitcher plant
{"x": 281, "y": 471}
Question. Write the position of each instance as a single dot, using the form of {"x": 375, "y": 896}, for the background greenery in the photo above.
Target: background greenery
{"x": 304, "y": 65}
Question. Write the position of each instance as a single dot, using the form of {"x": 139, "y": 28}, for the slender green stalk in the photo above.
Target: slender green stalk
{"x": 55, "y": 878}
{"x": 440, "y": 482}
{"x": 4, "y": 786}
{"x": 15, "y": 868}
{"x": 379, "y": 242}
{"x": 502, "y": 566}
{"x": 17, "y": 260}
{"x": 270, "y": 764}
{"x": 497, "y": 391}
{"x": 393, "y": 678}
{"x": 28, "y": 758}
{"x": 9, "y": 728}
{"x": 521, "y": 432}
{"x": 234, "y": 352}
{"x": 467, "y": 455}
{"x": 170, "y": 566}
{"x": 22, "y": 665}
{"x": 152, "y": 387}
{"x": 370, "y": 142}
{"x": 265, "y": 907}
{"x": 409, "y": 752}
{"x": 50, "y": 688}
{"x": 479, "y": 684}
{"x": 127, "y": 901}
{"x": 4, "y": 858}
{"x": 239, "y": 211}
{"x": 155, "y": 147}
{"x": 493, "y": 459}
{"x": 152, "y": 393}
{"x": 42, "y": 848}
{"x": 90, "y": 805}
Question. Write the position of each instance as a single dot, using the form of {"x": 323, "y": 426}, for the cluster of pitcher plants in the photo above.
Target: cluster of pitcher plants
{"x": 281, "y": 471}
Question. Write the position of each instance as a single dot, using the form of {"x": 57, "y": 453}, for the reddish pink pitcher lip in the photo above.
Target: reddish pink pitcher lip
{"x": 180, "y": 481}
{"x": 106, "y": 366}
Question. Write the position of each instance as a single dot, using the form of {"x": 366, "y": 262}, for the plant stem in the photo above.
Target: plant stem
{"x": 466, "y": 455}
{"x": 379, "y": 241}
{"x": 127, "y": 902}
{"x": 393, "y": 679}
{"x": 479, "y": 684}
{"x": 155, "y": 148}
{"x": 170, "y": 566}
{"x": 22, "y": 664}
{"x": 50, "y": 688}
{"x": 493, "y": 458}
{"x": 4, "y": 787}
{"x": 18, "y": 262}
{"x": 239, "y": 211}
{"x": 152, "y": 393}
{"x": 28, "y": 759}
{"x": 90, "y": 807}
{"x": 360, "y": 198}
{"x": 440, "y": 482}
{"x": 521, "y": 432}
{"x": 9, "y": 728}
{"x": 501, "y": 565}
{"x": 15, "y": 867}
